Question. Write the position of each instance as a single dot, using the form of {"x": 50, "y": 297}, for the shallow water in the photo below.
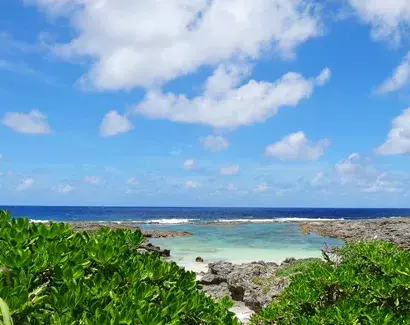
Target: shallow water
{"x": 240, "y": 243}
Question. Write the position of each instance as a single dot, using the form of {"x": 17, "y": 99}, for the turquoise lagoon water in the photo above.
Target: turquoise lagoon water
{"x": 240, "y": 243}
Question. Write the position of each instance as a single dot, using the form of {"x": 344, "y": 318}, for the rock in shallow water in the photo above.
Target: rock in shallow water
{"x": 148, "y": 247}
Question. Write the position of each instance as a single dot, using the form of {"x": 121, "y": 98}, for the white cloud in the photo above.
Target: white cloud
{"x": 381, "y": 185}
{"x": 132, "y": 181}
{"x": 92, "y": 179}
{"x": 28, "y": 123}
{"x": 349, "y": 165}
{"x": 214, "y": 143}
{"x": 360, "y": 173}
{"x": 129, "y": 50}
{"x": 297, "y": 146}
{"x": 324, "y": 76}
{"x": 188, "y": 164}
{"x": 25, "y": 184}
{"x": 114, "y": 123}
{"x": 261, "y": 188}
{"x": 390, "y": 19}
{"x": 233, "y": 107}
{"x": 398, "y": 139}
{"x": 399, "y": 78}
{"x": 318, "y": 180}
{"x": 356, "y": 169}
{"x": 191, "y": 184}
{"x": 64, "y": 189}
{"x": 229, "y": 170}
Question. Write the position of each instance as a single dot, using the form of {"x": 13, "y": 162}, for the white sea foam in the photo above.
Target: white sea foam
{"x": 174, "y": 221}
{"x": 39, "y": 221}
{"x": 274, "y": 220}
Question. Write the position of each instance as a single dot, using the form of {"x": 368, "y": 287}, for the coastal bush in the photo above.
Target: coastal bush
{"x": 297, "y": 266}
{"x": 53, "y": 275}
{"x": 369, "y": 285}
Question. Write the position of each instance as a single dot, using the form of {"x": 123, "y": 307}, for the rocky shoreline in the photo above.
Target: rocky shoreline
{"x": 148, "y": 233}
{"x": 394, "y": 230}
{"x": 251, "y": 286}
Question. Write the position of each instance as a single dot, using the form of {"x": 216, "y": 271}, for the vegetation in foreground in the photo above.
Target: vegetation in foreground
{"x": 52, "y": 275}
{"x": 369, "y": 285}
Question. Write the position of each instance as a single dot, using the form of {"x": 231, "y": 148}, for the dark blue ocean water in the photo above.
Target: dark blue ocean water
{"x": 180, "y": 215}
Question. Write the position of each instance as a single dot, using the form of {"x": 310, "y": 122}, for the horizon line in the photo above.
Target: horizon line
{"x": 197, "y": 207}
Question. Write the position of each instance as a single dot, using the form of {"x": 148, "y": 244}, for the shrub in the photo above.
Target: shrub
{"x": 52, "y": 275}
{"x": 371, "y": 285}
{"x": 297, "y": 266}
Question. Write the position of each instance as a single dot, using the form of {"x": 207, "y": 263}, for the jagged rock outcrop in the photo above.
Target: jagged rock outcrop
{"x": 395, "y": 230}
{"x": 255, "y": 284}
{"x": 150, "y": 248}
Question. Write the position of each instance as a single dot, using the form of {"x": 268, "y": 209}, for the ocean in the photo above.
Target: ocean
{"x": 175, "y": 215}
{"x": 253, "y": 239}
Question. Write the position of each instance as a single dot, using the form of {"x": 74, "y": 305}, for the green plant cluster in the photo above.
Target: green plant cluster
{"x": 53, "y": 275}
{"x": 371, "y": 285}
{"x": 297, "y": 266}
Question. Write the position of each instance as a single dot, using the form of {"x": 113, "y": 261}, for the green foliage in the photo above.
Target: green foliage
{"x": 258, "y": 280}
{"x": 5, "y": 314}
{"x": 297, "y": 266}
{"x": 285, "y": 271}
{"x": 52, "y": 275}
{"x": 370, "y": 286}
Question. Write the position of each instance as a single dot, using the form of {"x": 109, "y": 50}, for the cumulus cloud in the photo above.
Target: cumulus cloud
{"x": 359, "y": 172}
{"x": 399, "y": 79}
{"x": 64, "y": 189}
{"x": 114, "y": 123}
{"x": 214, "y": 143}
{"x": 297, "y": 146}
{"x": 129, "y": 50}
{"x": 27, "y": 123}
{"x": 389, "y": 19}
{"x": 398, "y": 139}
{"x": 132, "y": 181}
{"x": 324, "y": 76}
{"x": 25, "y": 184}
{"x": 188, "y": 164}
{"x": 351, "y": 165}
{"x": 255, "y": 101}
{"x": 229, "y": 170}
{"x": 92, "y": 180}
{"x": 191, "y": 184}
{"x": 383, "y": 185}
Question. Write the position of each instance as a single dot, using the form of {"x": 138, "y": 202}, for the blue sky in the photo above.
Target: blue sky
{"x": 205, "y": 103}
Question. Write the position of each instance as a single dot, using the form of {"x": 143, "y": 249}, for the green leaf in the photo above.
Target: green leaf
{"x": 5, "y": 313}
